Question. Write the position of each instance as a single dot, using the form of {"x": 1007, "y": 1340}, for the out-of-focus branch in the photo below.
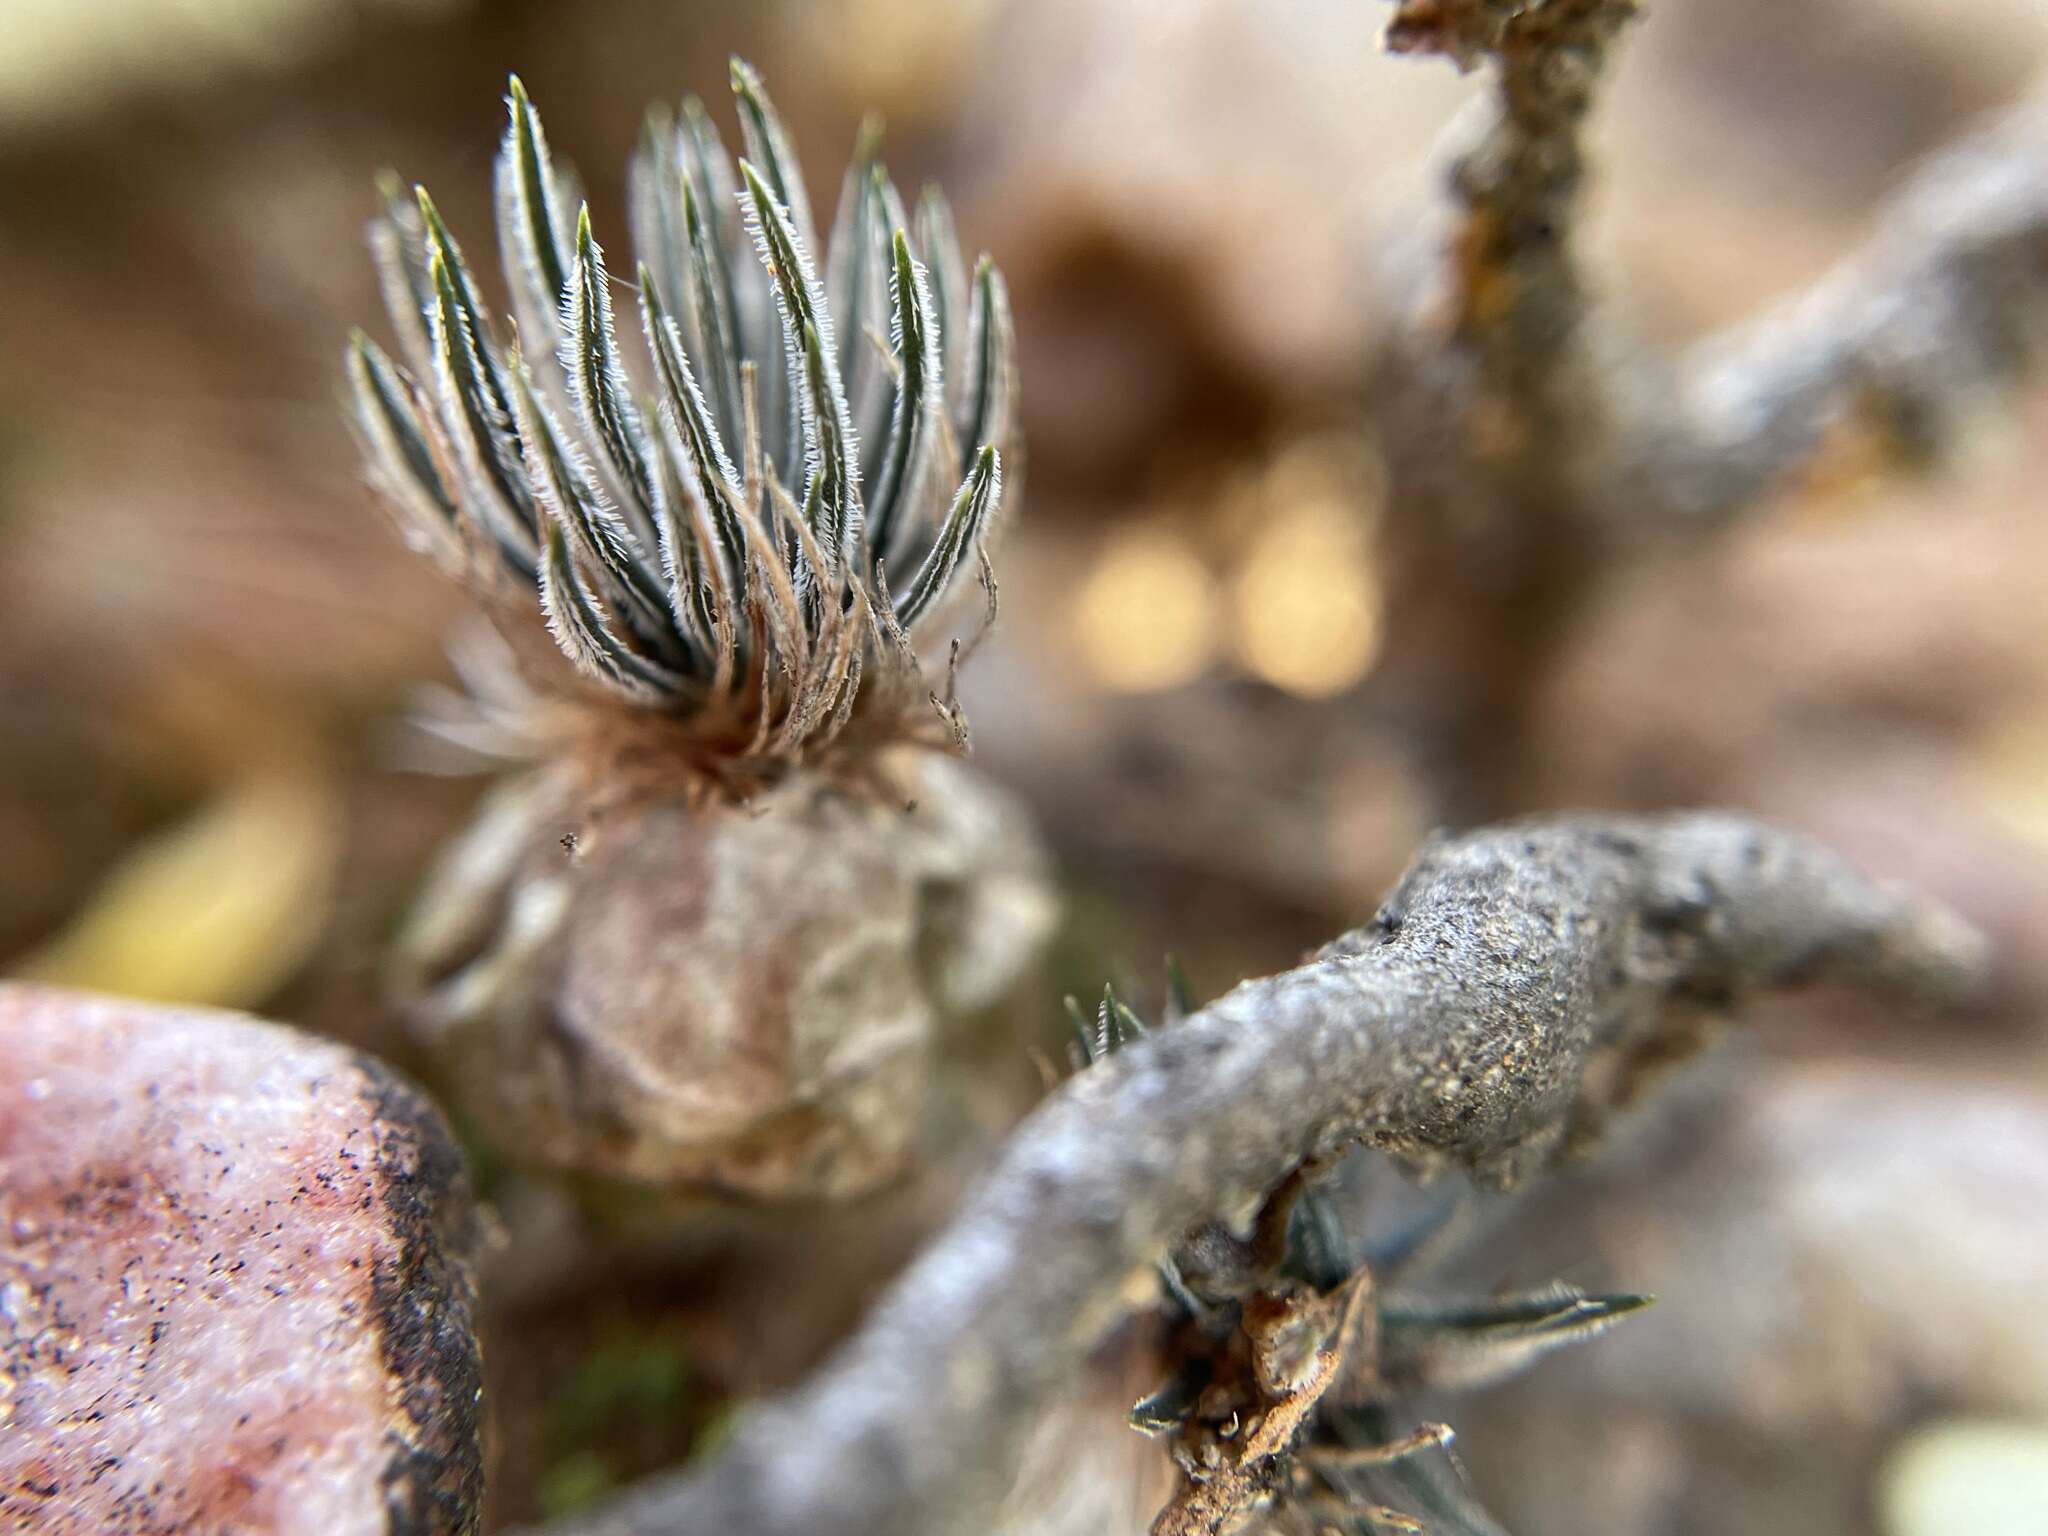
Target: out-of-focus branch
{"x": 1506, "y": 333}
{"x": 1514, "y": 986}
{"x": 1946, "y": 303}
{"x": 1494, "y": 398}
{"x": 1532, "y": 445}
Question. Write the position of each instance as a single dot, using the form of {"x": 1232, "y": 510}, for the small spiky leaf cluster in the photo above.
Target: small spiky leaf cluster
{"x": 1349, "y": 1468}
{"x": 752, "y": 536}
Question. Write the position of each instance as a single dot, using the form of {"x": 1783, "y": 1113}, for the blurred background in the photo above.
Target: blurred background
{"x": 208, "y": 637}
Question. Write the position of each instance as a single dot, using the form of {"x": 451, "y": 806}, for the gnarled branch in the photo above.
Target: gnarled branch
{"x": 1502, "y": 998}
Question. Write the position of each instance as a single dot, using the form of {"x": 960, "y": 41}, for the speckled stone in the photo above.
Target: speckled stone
{"x": 235, "y": 1292}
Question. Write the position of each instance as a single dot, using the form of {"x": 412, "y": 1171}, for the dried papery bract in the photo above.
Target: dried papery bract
{"x": 745, "y": 1002}
{"x": 705, "y": 943}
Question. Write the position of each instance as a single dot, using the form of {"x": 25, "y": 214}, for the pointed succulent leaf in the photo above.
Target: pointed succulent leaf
{"x": 780, "y": 392}
{"x": 940, "y": 249}
{"x": 872, "y": 386}
{"x": 398, "y": 248}
{"x": 531, "y": 231}
{"x": 477, "y": 414}
{"x": 914, "y": 337}
{"x": 572, "y": 499}
{"x": 830, "y": 462}
{"x": 768, "y": 149}
{"x": 585, "y": 636}
{"x": 1164, "y": 1411}
{"x": 985, "y": 410}
{"x": 1120, "y": 1026}
{"x": 1427, "y": 1486}
{"x": 973, "y": 506}
{"x": 849, "y": 255}
{"x": 390, "y": 420}
{"x": 1107, "y": 1038}
{"x": 473, "y": 401}
{"x": 654, "y": 206}
{"x": 696, "y": 596}
{"x": 1113, "y": 1026}
{"x": 720, "y": 253}
{"x": 599, "y": 389}
{"x": 831, "y": 506}
{"x": 710, "y": 172}
{"x": 1085, "y": 1051}
{"x": 393, "y": 426}
{"x": 461, "y": 294}
{"x": 710, "y": 293}
{"x": 709, "y": 473}
{"x": 1428, "y": 1437}
{"x": 1449, "y": 1345}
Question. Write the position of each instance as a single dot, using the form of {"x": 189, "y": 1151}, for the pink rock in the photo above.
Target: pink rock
{"x": 234, "y": 1284}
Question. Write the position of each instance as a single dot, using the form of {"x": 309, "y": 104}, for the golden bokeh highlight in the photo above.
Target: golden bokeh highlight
{"x": 1145, "y": 617}
{"x": 1306, "y": 606}
{"x": 1305, "y": 601}
{"x": 900, "y": 58}
{"x": 1268, "y": 563}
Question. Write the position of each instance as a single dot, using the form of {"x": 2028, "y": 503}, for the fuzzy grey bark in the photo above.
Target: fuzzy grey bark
{"x": 1504, "y": 996}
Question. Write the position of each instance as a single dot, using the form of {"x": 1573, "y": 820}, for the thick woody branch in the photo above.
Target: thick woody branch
{"x": 1500, "y": 1000}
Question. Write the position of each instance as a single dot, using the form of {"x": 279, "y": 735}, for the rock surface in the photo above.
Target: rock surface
{"x": 235, "y": 1292}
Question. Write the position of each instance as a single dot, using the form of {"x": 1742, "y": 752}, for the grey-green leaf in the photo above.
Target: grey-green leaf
{"x": 599, "y": 389}
{"x": 848, "y": 252}
{"x": 477, "y": 412}
{"x": 398, "y": 248}
{"x": 1464, "y": 1344}
{"x": 973, "y": 506}
{"x": 768, "y": 148}
{"x": 940, "y": 250}
{"x": 711, "y": 300}
{"x": 985, "y": 409}
{"x": 585, "y": 636}
{"x": 914, "y": 336}
{"x": 654, "y": 206}
{"x": 531, "y": 232}
{"x": 1428, "y": 1486}
{"x": 830, "y": 460}
{"x": 716, "y": 482}
{"x": 571, "y": 499}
